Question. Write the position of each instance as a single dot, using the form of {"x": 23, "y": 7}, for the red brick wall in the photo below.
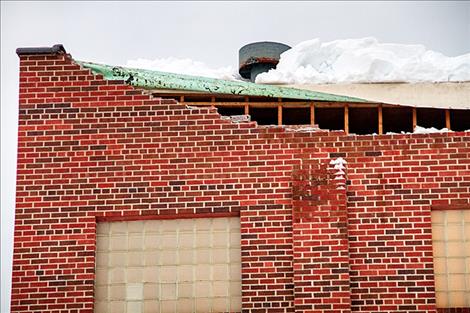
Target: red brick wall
{"x": 93, "y": 149}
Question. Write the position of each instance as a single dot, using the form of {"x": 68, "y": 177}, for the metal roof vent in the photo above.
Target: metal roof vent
{"x": 259, "y": 57}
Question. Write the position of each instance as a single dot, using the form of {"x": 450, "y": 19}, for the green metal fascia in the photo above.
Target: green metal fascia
{"x": 160, "y": 80}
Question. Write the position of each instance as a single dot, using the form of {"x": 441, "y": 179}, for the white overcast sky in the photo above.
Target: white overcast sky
{"x": 211, "y": 32}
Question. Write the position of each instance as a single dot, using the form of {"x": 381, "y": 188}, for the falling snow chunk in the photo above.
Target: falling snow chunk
{"x": 339, "y": 177}
{"x": 340, "y": 172}
{"x": 364, "y": 60}
{"x": 340, "y": 187}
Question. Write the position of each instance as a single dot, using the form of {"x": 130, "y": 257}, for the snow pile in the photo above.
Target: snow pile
{"x": 339, "y": 167}
{"x": 423, "y": 130}
{"x": 184, "y": 66}
{"x": 341, "y": 61}
{"x": 364, "y": 60}
{"x": 432, "y": 130}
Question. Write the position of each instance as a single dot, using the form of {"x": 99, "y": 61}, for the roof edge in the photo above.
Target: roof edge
{"x": 150, "y": 79}
{"x": 55, "y": 49}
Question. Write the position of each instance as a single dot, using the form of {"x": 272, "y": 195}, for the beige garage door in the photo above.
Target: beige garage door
{"x": 182, "y": 265}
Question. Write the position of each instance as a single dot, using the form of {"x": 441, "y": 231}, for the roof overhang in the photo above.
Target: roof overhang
{"x": 161, "y": 80}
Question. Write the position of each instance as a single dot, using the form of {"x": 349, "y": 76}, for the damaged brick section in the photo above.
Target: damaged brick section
{"x": 94, "y": 150}
{"x": 321, "y": 262}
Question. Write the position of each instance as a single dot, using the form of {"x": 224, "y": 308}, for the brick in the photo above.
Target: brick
{"x": 94, "y": 150}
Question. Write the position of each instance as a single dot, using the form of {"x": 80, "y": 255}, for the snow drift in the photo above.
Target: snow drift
{"x": 364, "y": 61}
{"x": 184, "y": 66}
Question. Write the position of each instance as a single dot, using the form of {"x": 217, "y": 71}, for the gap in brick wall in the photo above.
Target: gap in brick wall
{"x": 363, "y": 121}
{"x": 296, "y": 116}
{"x": 431, "y": 118}
{"x": 397, "y": 120}
{"x": 460, "y": 120}
{"x": 264, "y": 116}
{"x": 227, "y": 111}
{"x": 330, "y": 118}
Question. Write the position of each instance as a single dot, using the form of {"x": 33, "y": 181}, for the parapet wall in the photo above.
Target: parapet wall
{"x": 92, "y": 150}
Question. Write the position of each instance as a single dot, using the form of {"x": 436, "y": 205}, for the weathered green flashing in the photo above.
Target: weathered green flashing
{"x": 160, "y": 80}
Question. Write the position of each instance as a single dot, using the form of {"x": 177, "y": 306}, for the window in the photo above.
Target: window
{"x": 451, "y": 247}
{"x": 181, "y": 265}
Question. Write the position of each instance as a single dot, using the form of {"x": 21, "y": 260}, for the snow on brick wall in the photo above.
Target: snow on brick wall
{"x": 93, "y": 150}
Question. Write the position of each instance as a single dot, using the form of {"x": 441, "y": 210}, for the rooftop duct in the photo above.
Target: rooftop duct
{"x": 259, "y": 57}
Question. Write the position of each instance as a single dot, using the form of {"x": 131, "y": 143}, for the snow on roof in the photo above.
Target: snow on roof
{"x": 357, "y": 68}
{"x": 364, "y": 61}
{"x": 185, "y": 66}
